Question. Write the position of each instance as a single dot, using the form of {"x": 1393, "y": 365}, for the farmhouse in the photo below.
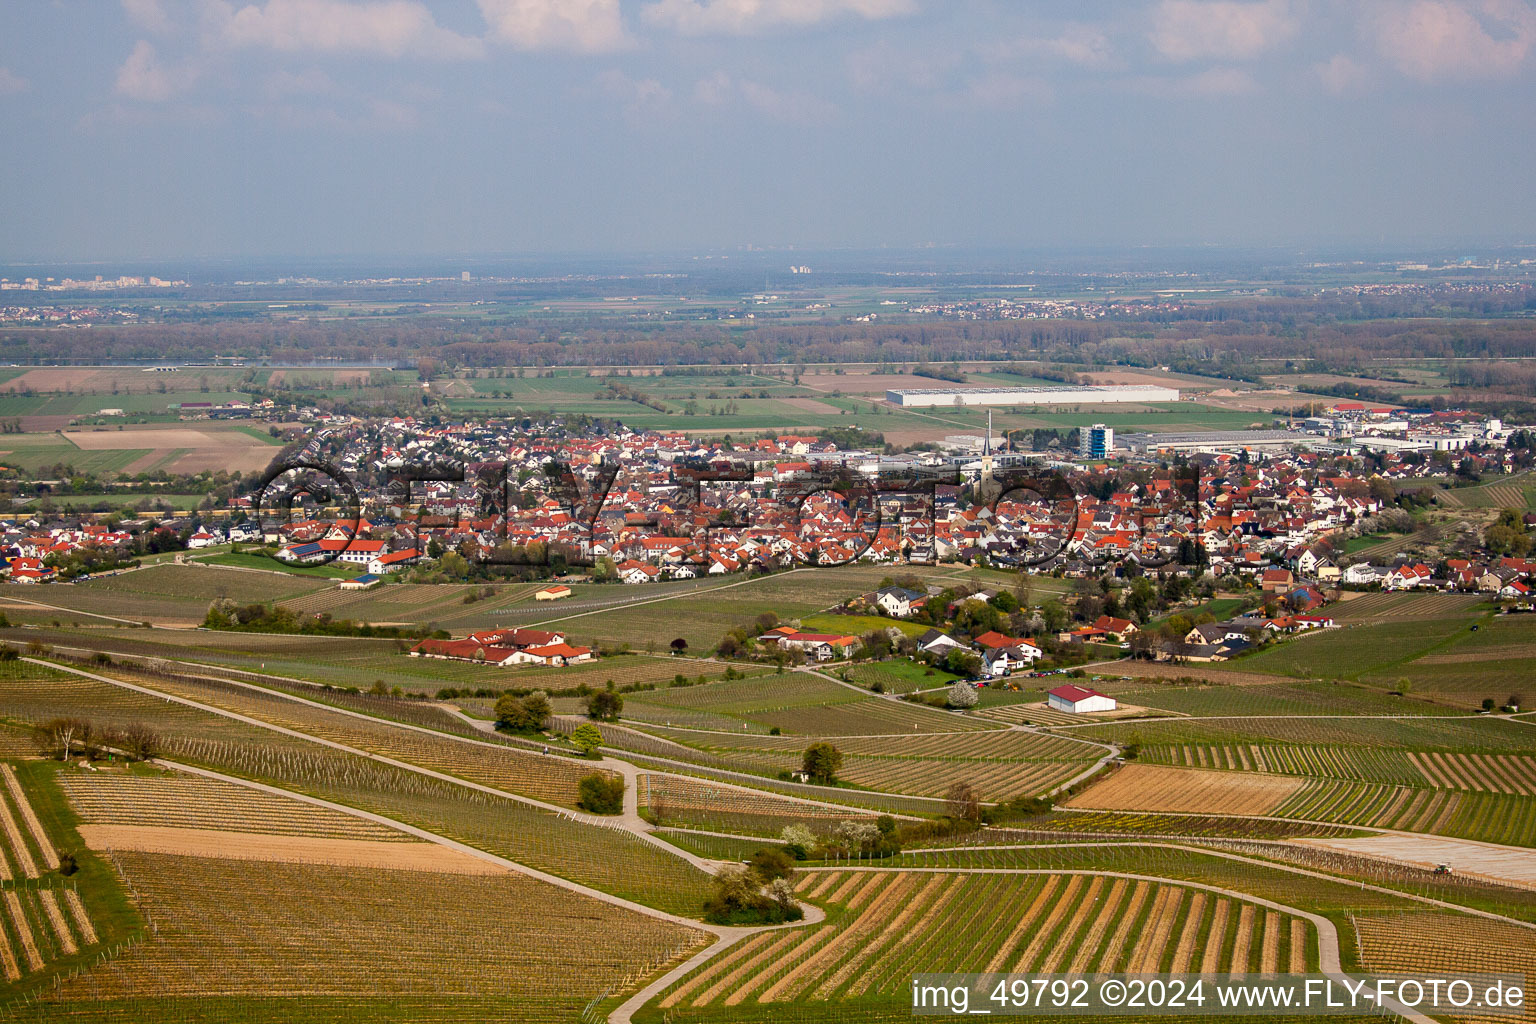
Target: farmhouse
{"x": 503, "y": 647}
{"x": 821, "y": 646}
{"x": 465, "y": 650}
{"x": 553, "y": 593}
{"x": 553, "y": 655}
{"x": 1078, "y": 700}
{"x": 362, "y": 582}
{"x": 381, "y": 564}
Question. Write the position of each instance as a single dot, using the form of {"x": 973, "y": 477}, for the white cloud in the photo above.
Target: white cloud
{"x": 1211, "y": 83}
{"x": 882, "y": 68}
{"x": 582, "y": 26}
{"x": 390, "y": 28}
{"x": 148, "y": 14}
{"x": 1221, "y": 29}
{"x": 1001, "y": 89}
{"x": 1433, "y": 39}
{"x": 784, "y": 106}
{"x": 376, "y": 116}
{"x": 741, "y": 17}
{"x": 714, "y": 91}
{"x": 143, "y": 77}
{"x": 312, "y": 82}
{"x": 1342, "y": 74}
{"x": 640, "y": 97}
{"x": 720, "y": 89}
{"x": 1087, "y": 45}
{"x": 11, "y": 83}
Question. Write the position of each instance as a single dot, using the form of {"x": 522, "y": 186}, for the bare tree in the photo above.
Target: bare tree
{"x": 962, "y": 801}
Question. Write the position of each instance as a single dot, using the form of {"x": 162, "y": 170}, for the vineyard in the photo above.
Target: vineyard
{"x": 868, "y": 716}
{"x": 175, "y": 800}
{"x": 520, "y": 772}
{"x": 1145, "y": 787}
{"x": 1129, "y": 823}
{"x": 1430, "y": 942}
{"x": 44, "y": 918}
{"x": 607, "y": 858}
{"x": 1327, "y": 762}
{"x": 1286, "y": 697}
{"x": 1355, "y": 651}
{"x": 279, "y": 930}
{"x": 699, "y": 804}
{"x": 1405, "y": 606}
{"x": 1479, "y": 772}
{"x": 1041, "y": 713}
{"x": 884, "y": 926}
{"x": 1486, "y": 817}
{"x": 798, "y": 703}
{"x": 998, "y": 764}
{"x": 1463, "y": 733}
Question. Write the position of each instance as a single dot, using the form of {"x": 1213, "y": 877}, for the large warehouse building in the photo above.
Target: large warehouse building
{"x": 1215, "y": 440}
{"x": 1100, "y": 394}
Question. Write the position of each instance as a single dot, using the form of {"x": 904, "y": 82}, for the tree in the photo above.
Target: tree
{"x": 771, "y": 862}
{"x": 523, "y": 714}
{"x": 962, "y": 662}
{"x": 537, "y": 706}
{"x": 738, "y": 898}
{"x": 962, "y": 801}
{"x": 962, "y": 695}
{"x": 822, "y": 762}
{"x": 139, "y": 742}
{"x": 600, "y": 794}
{"x": 605, "y": 705}
{"x": 798, "y": 841}
{"x": 679, "y": 646}
{"x": 587, "y": 739}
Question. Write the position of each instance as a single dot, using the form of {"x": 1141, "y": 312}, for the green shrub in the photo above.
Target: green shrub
{"x": 601, "y": 794}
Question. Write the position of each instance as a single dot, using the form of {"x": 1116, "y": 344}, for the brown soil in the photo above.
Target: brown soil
{"x": 1148, "y": 787}
{"x": 198, "y": 842}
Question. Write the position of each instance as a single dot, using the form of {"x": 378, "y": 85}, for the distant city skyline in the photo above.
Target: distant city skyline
{"x": 157, "y": 130}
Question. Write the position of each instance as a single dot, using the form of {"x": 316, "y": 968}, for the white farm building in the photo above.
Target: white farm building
{"x": 1085, "y": 394}
{"x": 1077, "y": 700}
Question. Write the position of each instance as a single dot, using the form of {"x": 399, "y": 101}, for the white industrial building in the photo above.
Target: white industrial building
{"x": 1214, "y": 440}
{"x": 1079, "y": 700}
{"x": 1099, "y": 394}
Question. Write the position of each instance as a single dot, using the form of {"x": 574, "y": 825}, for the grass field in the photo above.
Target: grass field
{"x": 899, "y": 676}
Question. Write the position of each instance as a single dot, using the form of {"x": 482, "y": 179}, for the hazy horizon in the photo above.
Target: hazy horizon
{"x": 343, "y": 129}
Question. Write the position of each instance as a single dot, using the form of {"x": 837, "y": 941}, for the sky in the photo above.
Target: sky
{"x": 192, "y": 128}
